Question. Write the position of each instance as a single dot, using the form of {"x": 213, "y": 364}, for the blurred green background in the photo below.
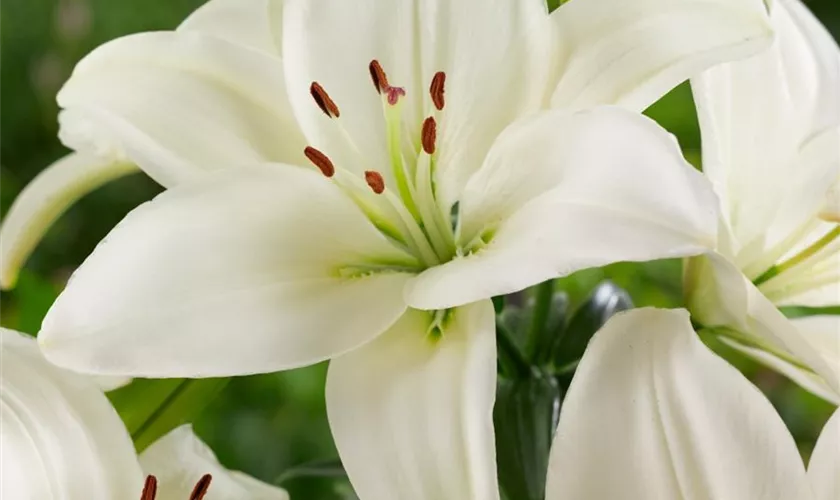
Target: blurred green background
{"x": 266, "y": 424}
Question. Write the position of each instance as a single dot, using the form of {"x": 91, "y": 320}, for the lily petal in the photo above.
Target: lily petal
{"x": 554, "y": 187}
{"x": 42, "y": 201}
{"x": 616, "y": 53}
{"x": 652, "y": 413}
{"x": 824, "y": 89}
{"x": 411, "y": 412}
{"x": 180, "y": 103}
{"x": 242, "y": 22}
{"x": 771, "y": 132}
{"x": 244, "y": 272}
{"x": 179, "y": 459}
{"x": 806, "y": 379}
{"x": 60, "y": 437}
{"x": 719, "y": 295}
{"x": 824, "y": 467}
{"x": 495, "y": 54}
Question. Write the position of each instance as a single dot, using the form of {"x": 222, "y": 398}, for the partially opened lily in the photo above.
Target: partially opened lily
{"x": 771, "y": 147}
{"x": 62, "y": 439}
{"x": 413, "y": 179}
{"x": 652, "y": 413}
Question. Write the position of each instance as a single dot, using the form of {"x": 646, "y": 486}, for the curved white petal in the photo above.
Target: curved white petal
{"x": 561, "y": 192}
{"x": 771, "y": 132}
{"x": 179, "y": 459}
{"x": 110, "y": 383}
{"x": 631, "y": 53}
{"x": 806, "y": 379}
{"x": 822, "y": 82}
{"x": 824, "y": 466}
{"x": 52, "y": 192}
{"x": 718, "y": 295}
{"x": 495, "y": 54}
{"x": 253, "y": 270}
{"x": 60, "y": 437}
{"x": 180, "y": 103}
{"x": 411, "y": 412}
{"x": 243, "y": 22}
{"x": 652, "y": 413}
{"x": 823, "y": 332}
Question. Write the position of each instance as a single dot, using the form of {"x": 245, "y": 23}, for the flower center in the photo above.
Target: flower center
{"x": 404, "y": 208}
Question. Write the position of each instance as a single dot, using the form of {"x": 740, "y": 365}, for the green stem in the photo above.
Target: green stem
{"x": 800, "y": 257}
{"x": 542, "y": 309}
{"x": 802, "y": 311}
{"x": 513, "y": 363}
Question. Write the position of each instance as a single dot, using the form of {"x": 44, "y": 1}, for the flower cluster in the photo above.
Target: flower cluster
{"x": 355, "y": 181}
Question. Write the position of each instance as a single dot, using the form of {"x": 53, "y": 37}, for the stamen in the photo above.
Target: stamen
{"x": 377, "y": 74}
{"x": 320, "y": 160}
{"x": 323, "y": 100}
{"x": 149, "y": 488}
{"x": 201, "y": 487}
{"x": 429, "y": 135}
{"x": 394, "y": 94}
{"x": 375, "y": 181}
{"x": 437, "y": 88}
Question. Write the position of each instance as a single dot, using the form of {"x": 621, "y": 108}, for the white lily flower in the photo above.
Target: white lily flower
{"x": 230, "y": 85}
{"x": 60, "y": 438}
{"x": 653, "y": 414}
{"x": 437, "y": 184}
{"x": 771, "y": 147}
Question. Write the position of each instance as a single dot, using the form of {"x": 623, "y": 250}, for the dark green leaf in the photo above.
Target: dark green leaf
{"x": 606, "y": 300}
{"x": 525, "y": 417}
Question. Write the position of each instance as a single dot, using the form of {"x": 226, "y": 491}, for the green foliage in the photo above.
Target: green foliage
{"x": 150, "y": 408}
{"x": 525, "y": 417}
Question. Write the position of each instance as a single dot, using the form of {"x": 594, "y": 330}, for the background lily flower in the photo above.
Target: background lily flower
{"x": 62, "y": 439}
{"x": 231, "y": 86}
{"x": 771, "y": 147}
{"x": 652, "y": 413}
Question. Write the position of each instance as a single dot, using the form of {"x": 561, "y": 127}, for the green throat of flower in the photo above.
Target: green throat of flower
{"x": 408, "y": 212}
{"x": 811, "y": 268}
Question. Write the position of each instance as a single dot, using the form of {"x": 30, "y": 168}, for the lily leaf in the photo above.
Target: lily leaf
{"x": 525, "y": 417}
{"x": 150, "y": 408}
{"x": 606, "y": 300}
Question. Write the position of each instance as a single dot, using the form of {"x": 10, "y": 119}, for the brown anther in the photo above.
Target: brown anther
{"x": 394, "y": 94}
{"x": 375, "y": 181}
{"x": 320, "y": 160}
{"x": 149, "y": 488}
{"x": 429, "y": 135}
{"x": 323, "y": 100}
{"x": 201, "y": 487}
{"x": 377, "y": 74}
{"x": 437, "y": 88}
